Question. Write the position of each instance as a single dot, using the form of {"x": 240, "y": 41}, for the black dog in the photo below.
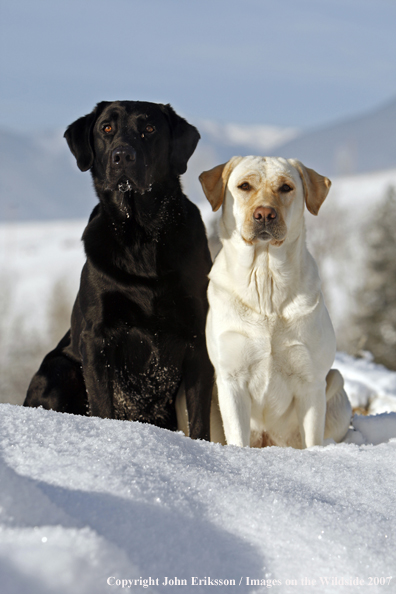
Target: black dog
{"x": 137, "y": 336}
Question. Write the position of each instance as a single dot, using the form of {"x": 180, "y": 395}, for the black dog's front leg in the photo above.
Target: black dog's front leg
{"x": 96, "y": 375}
{"x": 198, "y": 377}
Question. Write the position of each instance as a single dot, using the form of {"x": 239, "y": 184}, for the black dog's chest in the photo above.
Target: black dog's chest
{"x": 157, "y": 308}
{"x": 146, "y": 375}
{"x": 149, "y": 328}
{"x": 147, "y": 395}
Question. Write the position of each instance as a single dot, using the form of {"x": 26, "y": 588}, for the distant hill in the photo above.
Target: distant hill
{"x": 230, "y": 139}
{"x": 39, "y": 179}
{"x": 359, "y": 145}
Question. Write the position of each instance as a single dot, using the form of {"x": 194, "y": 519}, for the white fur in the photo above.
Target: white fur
{"x": 269, "y": 334}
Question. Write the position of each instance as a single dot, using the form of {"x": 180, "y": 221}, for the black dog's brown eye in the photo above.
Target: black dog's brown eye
{"x": 107, "y": 128}
{"x": 149, "y": 128}
{"x": 245, "y": 187}
{"x": 285, "y": 188}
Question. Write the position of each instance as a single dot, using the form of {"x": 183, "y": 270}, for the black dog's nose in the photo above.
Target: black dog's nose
{"x": 123, "y": 155}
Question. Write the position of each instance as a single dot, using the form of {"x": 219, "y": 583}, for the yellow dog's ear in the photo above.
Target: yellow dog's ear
{"x": 215, "y": 180}
{"x": 316, "y": 187}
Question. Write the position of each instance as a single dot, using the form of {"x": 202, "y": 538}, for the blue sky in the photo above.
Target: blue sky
{"x": 297, "y": 63}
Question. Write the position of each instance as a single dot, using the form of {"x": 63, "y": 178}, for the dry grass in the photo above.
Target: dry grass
{"x": 21, "y": 349}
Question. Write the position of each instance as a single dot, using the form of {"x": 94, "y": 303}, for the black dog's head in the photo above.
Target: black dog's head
{"x": 132, "y": 145}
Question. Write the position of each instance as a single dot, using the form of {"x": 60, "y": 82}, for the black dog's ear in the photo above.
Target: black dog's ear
{"x": 185, "y": 139}
{"x": 78, "y": 136}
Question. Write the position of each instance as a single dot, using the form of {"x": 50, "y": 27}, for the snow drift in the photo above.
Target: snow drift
{"x": 87, "y": 503}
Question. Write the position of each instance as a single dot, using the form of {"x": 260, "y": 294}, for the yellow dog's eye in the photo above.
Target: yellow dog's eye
{"x": 285, "y": 189}
{"x": 245, "y": 186}
{"x": 107, "y": 128}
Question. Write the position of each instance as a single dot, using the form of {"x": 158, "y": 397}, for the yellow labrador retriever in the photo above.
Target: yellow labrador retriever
{"x": 269, "y": 334}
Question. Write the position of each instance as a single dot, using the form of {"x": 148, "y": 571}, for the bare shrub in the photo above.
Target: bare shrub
{"x": 213, "y": 237}
{"x": 59, "y": 311}
{"x": 375, "y": 318}
{"x": 21, "y": 348}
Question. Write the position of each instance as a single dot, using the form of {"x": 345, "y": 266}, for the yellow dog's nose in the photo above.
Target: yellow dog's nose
{"x": 264, "y": 214}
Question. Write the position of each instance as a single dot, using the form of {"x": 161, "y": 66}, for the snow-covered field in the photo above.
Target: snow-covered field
{"x": 33, "y": 258}
{"x": 87, "y": 505}
{"x": 359, "y": 192}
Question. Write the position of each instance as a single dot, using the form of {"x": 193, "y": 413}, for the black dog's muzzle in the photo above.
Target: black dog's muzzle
{"x": 122, "y": 166}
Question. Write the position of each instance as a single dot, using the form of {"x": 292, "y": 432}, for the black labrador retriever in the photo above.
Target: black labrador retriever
{"x": 137, "y": 337}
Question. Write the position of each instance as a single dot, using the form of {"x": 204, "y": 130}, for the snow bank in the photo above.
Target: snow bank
{"x": 87, "y": 499}
{"x": 368, "y": 385}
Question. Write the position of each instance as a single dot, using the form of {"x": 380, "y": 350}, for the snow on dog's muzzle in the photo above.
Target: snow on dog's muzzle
{"x": 124, "y": 186}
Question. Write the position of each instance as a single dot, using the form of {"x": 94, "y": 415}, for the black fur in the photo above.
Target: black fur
{"x": 138, "y": 323}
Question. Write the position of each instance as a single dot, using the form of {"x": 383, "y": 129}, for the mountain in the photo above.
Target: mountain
{"x": 359, "y": 145}
{"x": 239, "y": 138}
{"x": 39, "y": 179}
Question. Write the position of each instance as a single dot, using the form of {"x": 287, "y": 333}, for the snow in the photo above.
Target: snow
{"x": 374, "y": 429}
{"x": 33, "y": 258}
{"x": 87, "y": 499}
{"x": 367, "y": 384}
{"x": 355, "y": 191}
